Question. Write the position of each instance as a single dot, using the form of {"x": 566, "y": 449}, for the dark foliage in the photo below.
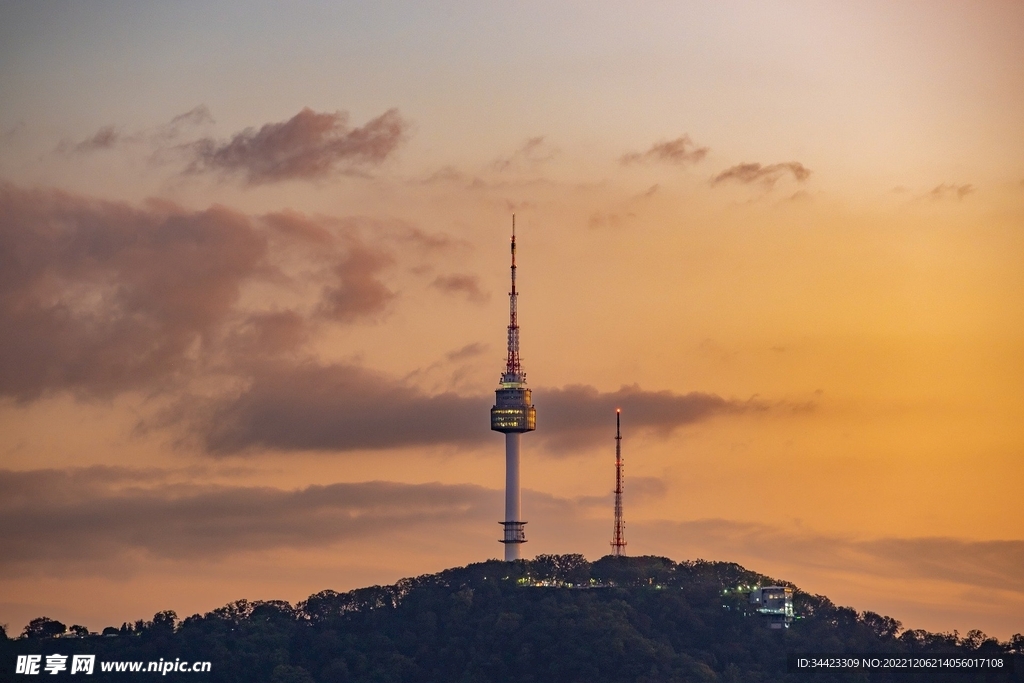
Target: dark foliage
{"x": 556, "y": 618}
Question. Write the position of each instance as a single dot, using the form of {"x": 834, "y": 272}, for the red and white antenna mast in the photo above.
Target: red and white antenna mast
{"x": 619, "y": 532}
{"x": 512, "y": 365}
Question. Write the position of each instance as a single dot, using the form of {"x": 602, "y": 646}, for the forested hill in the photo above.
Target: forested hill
{"x": 555, "y": 618}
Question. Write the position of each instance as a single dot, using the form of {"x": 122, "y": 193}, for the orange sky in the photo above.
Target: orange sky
{"x": 253, "y": 294}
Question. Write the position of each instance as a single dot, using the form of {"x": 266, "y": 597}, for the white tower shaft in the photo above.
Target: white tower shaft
{"x": 513, "y": 501}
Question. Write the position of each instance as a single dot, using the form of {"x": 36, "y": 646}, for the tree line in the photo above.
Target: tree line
{"x": 552, "y": 619}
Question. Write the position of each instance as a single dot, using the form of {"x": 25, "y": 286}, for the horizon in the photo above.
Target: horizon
{"x": 254, "y": 290}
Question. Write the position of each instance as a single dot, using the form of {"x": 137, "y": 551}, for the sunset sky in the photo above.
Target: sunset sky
{"x": 253, "y": 295}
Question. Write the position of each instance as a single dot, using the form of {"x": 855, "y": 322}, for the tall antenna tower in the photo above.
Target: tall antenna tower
{"x": 513, "y": 413}
{"x": 619, "y": 532}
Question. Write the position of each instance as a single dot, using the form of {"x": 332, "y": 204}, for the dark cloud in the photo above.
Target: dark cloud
{"x": 577, "y": 416}
{"x": 467, "y": 285}
{"x": 765, "y": 175}
{"x": 103, "y": 297}
{"x": 950, "y": 190}
{"x": 193, "y": 117}
{"x": 172, "y": 132}
{"x": 295, "y": 225}
{"x": 105, "y": 516}
{"x": 345, "y": 408}
{"x": 104, "y": 138}
{"x": 268, "y": 334}
{"x": 308, "y": 146}
{"x": 680, "y": 151}
{"x": 357, "y": 290}
{"x": 336, "y": 407}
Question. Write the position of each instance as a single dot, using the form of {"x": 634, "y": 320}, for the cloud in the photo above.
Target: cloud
{"x": 74, "y": 521}
{"x": 533, "y": 152}
{"x": 104, "y": 138}
{"x": 104, "y": 297}
{"x": 680, "y": 151}
{"x": 335, "y": 407}
{"x": 989, "y": 564}
{"x": 109, "y": 137}
{"x": 341, "y": 408}
{"x": 54, "y": 521}
{"x": 193, "y": 117}
{"x": 950, "y": 190}
{"x": 765, "y": 175}
{"x": 357, "y": 291}
{"x": 468, "y": 351}
{"x": 469, "y": 285}
{"x": 308, "y": 146}
{"x": 446, "y": 174}
{"x": 19, "y": 128}
{"x": 578, "y": 416}
{"x": 268, "y": 334}
{"x": 639, "y": 488}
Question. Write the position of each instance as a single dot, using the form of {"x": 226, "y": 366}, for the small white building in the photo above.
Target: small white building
{"x": 776, "y": 602}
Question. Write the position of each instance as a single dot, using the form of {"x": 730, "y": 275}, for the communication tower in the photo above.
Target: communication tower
{"x": 513, "y": 413}
{"x": 619, "y": 532}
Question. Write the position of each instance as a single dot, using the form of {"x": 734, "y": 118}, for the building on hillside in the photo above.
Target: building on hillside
{"x": 776, "y": 602}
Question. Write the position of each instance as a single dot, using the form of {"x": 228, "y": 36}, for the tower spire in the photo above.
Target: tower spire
{"x": 513, "y": 366}
{"x": 619, "y": 532}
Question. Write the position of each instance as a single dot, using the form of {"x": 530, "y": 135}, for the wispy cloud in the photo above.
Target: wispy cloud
{"x": 193, "y": 117}
{"x": 532, "y": 153}
{"x": 946, "y": 190}
{"x": 308, "y": 146}
{"x": 60, "y": 521}
{"x": 680, "y": 151}
{"x": 50, "y": 518}
{"x": 109, "y": 137}
{"x": 767, "y": 176}
{"x": 468, "y": 351}
{"x": 460, "y": 283}
{"x": 991, "y": 564}
{"x": 105, "y": 138}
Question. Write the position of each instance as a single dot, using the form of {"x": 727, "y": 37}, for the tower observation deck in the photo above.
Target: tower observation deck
{"x": 513, "y": 413}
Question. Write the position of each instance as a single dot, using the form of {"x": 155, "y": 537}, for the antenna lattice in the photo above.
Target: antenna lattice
{"x": 619, "y": 532}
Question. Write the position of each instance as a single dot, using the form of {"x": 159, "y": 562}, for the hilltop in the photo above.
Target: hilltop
{"x": 555, "y": 618}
